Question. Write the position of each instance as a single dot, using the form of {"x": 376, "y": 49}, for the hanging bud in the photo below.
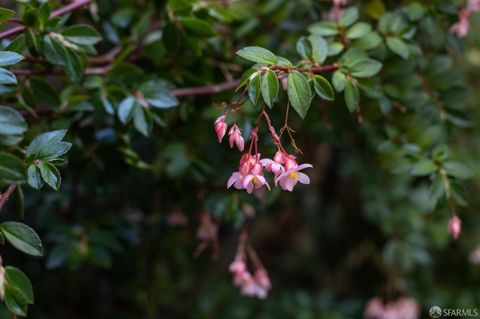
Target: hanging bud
{"x": 220, "y": 127}
{"x": 455, "y": 226}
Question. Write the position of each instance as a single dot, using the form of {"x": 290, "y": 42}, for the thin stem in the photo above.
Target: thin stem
{"x": 317, "y": 69}
{"x": 448, "y": 191}
{"x": 6, "y": 195}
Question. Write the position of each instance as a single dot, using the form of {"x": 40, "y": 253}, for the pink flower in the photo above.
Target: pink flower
{"x": 292, "y": 176}
{"x": 261, "y": 277}
{"x": 473, "y": 5}
{"x": 255, "y": 179}
{"x": 220, "y": 127}
{"x": 272, "y": 166}
{"x": 455, "y": 226}
{"x": 237, "y": 267}
{"x": 235, "y": 137}
{"x": 463, "y": 25}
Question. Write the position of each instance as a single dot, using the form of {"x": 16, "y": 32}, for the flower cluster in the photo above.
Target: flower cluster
{"x": 287, "y": 172}
{"x": 462, "y": 27}
{"x": 402, "y": 308}
{"x": 256, "y": 285}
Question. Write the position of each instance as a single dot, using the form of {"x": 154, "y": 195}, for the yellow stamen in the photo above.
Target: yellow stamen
{"x": 294, "y": 175}
{"x": 255, "y": 180}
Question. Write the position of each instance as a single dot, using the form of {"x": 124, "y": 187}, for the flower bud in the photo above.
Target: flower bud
{"x": 455, "y": 226}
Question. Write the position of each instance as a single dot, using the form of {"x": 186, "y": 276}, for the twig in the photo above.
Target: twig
{"x": 331, "y": 67}
{"x": 69, "y": 7}
{"x": 206, "y": 90}
{"x": 6, "y": 195}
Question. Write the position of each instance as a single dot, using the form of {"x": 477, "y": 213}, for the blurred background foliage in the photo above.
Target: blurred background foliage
{"x": 120, "y": 234}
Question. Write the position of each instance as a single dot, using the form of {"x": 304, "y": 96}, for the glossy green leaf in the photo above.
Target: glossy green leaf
{"x": 358, "y": 30}
{"x": 365, "y": 68}
{"x": 269, "y": 87}
{"x": 324, "y": 28}
{"x": 6, "y": 14}
{"x": 22, "y": 237}
{"x": 299, "y": 93}
{"x": 349, "y": 16}
{"x": 338, "y": 80}
{"x": 11, "y": 122}
{"x": 7, "y": 77}
{"x": 323, "y": 88}
{"x": 142, "y": 120}
{"x": 35, "y": 179}
{"x": 197, "y": 26}
{"x": 319, "y": 48}
{"x": 8, "y": 58}
{"x": 457, "y": 169}
{"x": 423, "y": 167}
{"x": 259, "y": 55}
{"x": 12, "y": 169}
{"x": 50, "y": 174}
{"x": 125, "y": 110}
{"x": 82, "y": 34}
{"x": 17, "y": 278}
{"x": 48, "y": 145}
{"x": 254, "y": 89}
{"x": 398, "y": 46}
{"x": 352, "y": 95}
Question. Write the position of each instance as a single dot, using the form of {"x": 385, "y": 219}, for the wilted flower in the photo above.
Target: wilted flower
{"x": 455, "y": 226}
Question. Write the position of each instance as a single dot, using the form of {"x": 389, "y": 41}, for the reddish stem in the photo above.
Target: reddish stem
{"x": 6, "y": 195}
{"x": 316, "y": 69}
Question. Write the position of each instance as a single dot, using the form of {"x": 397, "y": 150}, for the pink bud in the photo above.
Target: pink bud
{"x": 238, "y": 267}
{"x": 244, "y": 168}
{"x": 455, "y": 226}
{"x": 279, "y": 157}
{"x": 290, "y": 162}
{"x": 220, "y": 127}
{"x": 235, "y": 137}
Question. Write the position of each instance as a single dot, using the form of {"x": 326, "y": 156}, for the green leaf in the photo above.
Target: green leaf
{"x": 16, "y": 278}
{"x": 15, "y": 301}
{"x": 458, "y": 170}
{"x": 349, "y": 16}
{"x": 9, "y": 58}
{"x": 48, "y": 145}
{"x": 324, "y": 28}
{"x": 7, "y": 77}
{"x": 368, "y": 42}
{"x": 34, "y": 177}
{"x": 304, "y": 48}
{"x": 82, "y": 34}
{"x": 323, "y": 88}
{"x": 125, "y": 110}
{"x": 338, "y": 80}
{"x": 73, "y": 65}
{"x": 12, "y": 169}
{"x": 335, "y": 48}
{"x": 44, "y": 14}
{"x": 142, "y": 120}
{"x": 259, "y": 55}
{"x": 161, "y": 98}
{"x": 50, "y": 175}
{"x": 299, "y": 93}
{"x": 365, "y": 68}
{"x": 423, "y": 167}
{"x": 197, "y": 26}
{"x": 11, "y": 122}
{"x": 358, "y": 30}
{"x": 22, "y": 237}
{"x": 352, "y": 95}
{"x": 269, "y": 87}
{"x": 6, "y": 14}
{"x": 319, "y": 48}
{"x": 398, "y": 46}
{"x": 254, "y": 89}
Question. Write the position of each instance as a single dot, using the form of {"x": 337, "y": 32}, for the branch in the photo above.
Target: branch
{"x": 69, "y": 7}
{"x": 206, "y": 90}
{"x": 316, "y": 69}
{"x": 6, "y": 195}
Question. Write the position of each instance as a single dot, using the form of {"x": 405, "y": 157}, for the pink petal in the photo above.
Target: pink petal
{"x": 262, "y": 181}
{"x": 247, "y": 181}
{"x": 303, "y": 178}
{"x": 250, "y": 188}
{"x": 239, "y": 184}
{"x": 235, "y": 176}
{"x": 240, "y": 143}
{"x": 300, "y": 167}
{"x": 290, "y": 183}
